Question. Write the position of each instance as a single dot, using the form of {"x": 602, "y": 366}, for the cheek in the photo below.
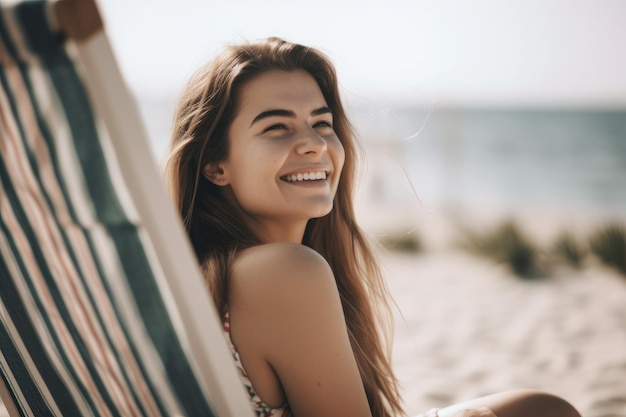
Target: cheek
{"x": 256, "y": 167}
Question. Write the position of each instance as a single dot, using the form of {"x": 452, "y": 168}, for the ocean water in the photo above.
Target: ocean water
{"x": 463, "y": 157}
{"x": 509, "y": 158}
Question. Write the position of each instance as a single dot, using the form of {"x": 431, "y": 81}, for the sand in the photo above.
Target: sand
{"x": 471, "y": 328}
{"x": 467, "y": 327}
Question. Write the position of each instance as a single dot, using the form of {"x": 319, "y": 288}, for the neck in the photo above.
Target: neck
{"x": 279, "y": 231}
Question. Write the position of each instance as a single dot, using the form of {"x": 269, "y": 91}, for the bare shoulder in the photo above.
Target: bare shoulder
{"x": 279, "y": 275}
{"x": 282, "y": 258}
{"x": 287, "y": 321}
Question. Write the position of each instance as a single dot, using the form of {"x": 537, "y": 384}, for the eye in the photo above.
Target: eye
{"x": 323, "y": 123}
{"x": 276, "y": 126}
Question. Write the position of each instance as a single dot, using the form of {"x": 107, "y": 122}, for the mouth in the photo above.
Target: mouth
{"x": 305, "y": 176}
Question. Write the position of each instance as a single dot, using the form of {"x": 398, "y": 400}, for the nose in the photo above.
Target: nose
{"x": 311, "y": 143}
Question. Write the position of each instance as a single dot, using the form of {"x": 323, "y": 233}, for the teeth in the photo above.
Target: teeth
{"x": 306, "y": 176}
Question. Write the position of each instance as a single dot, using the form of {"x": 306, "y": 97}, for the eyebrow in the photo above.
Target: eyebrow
{"x": 287, "y": 113}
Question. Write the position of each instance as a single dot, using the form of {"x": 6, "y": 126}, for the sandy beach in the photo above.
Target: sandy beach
{"x": 467, "y": 327}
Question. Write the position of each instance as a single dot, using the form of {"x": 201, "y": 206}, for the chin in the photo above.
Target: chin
{"x": 322, "y": 212}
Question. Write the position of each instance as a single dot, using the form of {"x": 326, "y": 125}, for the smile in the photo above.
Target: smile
{"x": 305, "y": 176}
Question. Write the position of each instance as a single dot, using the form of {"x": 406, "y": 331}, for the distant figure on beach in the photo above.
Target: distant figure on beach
{"x": 262, "y": 170}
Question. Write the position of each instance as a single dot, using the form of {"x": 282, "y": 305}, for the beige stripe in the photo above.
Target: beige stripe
{"x": 17, "y": 165}
{"x": 199, "y": 334}
{"x": 21, "y": 402}
{"x": 102, "y": 302}
{"x": 35, "y": 317}
{"x": 138, "y": 337}
{"x": 75, "y": 292}
{"x": 115, "y": 381}
{"x": 59, "y": 328}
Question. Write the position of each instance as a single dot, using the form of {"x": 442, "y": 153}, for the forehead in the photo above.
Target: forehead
{"x": 277, "y": 89}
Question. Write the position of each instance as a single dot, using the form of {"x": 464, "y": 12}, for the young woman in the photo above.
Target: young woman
{"x": 262, "y": 169}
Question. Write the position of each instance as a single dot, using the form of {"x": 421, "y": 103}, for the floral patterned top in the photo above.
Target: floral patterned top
{"x": 260, "y": 408}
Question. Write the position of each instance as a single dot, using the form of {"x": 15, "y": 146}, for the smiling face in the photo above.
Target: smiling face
{"x": 284, "y": 159}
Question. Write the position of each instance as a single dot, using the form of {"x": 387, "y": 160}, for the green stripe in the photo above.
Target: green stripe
{"x": 43, "y": 267}
{"x": 124, "y": 234}
{"x": 126, "y": 238}
{"x": 45, "y": 46}
{"x": 37, "y": 22}
{"x": 158, "y": 322}
{"x": 28, "y": 334}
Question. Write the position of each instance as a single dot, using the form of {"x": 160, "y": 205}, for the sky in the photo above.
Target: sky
{"x": 485, "y": 52}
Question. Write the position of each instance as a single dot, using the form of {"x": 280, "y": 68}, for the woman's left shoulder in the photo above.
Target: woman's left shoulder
{"x": 285, "y": 251}
{"x": 279, "y": 264}
{"x": 286, "y": 313}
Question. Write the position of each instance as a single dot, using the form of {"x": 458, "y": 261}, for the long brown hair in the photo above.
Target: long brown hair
{"x": 217, "y": 231}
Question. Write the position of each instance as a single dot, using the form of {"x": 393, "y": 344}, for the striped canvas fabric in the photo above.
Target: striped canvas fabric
{"x": 87, "y": 326}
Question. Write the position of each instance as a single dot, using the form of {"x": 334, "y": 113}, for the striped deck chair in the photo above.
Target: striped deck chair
{"x": 103, "y": 311}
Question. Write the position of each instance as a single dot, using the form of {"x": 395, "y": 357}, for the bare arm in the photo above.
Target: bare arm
{"x": 286, "y": 313}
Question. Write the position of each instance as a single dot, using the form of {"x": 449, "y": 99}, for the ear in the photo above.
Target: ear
{"x": 215, "y": 173}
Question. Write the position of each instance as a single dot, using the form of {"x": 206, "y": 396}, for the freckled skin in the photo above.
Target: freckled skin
{"x": 264, "y": 151}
